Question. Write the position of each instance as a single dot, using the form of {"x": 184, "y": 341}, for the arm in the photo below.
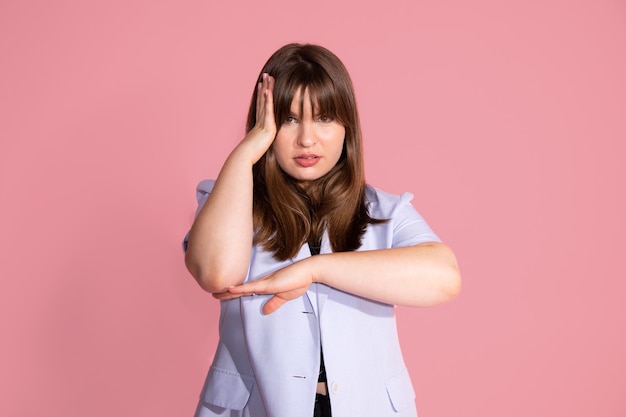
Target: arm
{"x": 420, "y": 276}
{"x": 220, "y": 239}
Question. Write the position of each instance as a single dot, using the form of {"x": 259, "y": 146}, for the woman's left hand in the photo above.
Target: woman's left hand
{"x": 285, "y": 284}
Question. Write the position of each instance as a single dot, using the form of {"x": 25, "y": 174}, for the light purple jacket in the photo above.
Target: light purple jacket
{"x": 268, "y": 365}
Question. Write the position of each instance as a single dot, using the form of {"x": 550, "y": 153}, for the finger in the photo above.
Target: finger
{"x": 242, "y": 289}
{"x": 230, "y": 296}
{"x": 226, "y": 296}
{"x": 273, "y": 304}
{"x": 269, "y": 102}
{"x": 259, "y": 99}
{"x": 262, "y": 87}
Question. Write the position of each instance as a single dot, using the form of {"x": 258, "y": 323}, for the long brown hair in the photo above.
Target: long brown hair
{"x": 285, "y": 214}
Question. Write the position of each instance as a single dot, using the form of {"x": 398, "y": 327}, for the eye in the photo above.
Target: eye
{"x": 325, "y": 118}
{"x": 291, "y": 120}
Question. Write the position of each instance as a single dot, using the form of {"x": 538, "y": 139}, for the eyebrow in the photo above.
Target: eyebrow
{"x": 314, "y": 106}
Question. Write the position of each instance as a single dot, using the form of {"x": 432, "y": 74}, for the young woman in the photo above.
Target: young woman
{"x": 307, "y": 260}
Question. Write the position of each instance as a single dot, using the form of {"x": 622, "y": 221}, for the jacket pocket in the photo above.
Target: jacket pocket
{"x": 227, "y": 389}
{"x": 400, "y": 391}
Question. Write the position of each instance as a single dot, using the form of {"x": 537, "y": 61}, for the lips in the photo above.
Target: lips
{"x": 306, "y": 160}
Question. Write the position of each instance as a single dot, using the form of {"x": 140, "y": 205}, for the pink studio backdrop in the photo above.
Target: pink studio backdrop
{"x": 506, "y": 119}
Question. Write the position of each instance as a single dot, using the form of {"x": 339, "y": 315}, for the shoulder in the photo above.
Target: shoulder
{"x": 204, "y": 187}
{"x": 382, "y": 203}
{"x": 407, "y": 225}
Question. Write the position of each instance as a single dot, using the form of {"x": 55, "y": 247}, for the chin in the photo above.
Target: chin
{"x": 298, "y": 176}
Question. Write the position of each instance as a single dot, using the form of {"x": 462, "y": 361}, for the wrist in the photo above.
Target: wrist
{"x": 243, "y": 156}
{"x": 316, "y": 267}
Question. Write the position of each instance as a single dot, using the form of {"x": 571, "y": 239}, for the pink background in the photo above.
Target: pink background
{"x": 507, "y": 119}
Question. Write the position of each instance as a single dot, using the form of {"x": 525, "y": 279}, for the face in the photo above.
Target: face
{"x": 308, "y": 144}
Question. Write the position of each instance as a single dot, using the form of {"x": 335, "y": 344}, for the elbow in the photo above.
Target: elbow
{"x": 210, "y": 280}
{"x": 446, "y": 276}
{"x": 445, "y": 286}
{"x": 451, "y": 287}
{"x": 450, "y": 276}
{"x": 210, "y": 283}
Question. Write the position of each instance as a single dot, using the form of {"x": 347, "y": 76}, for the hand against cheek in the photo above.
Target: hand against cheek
{"x": 261, "y": 136}
{"x": 285, "y": 284}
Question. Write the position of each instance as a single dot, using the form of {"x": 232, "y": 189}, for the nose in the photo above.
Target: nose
{"x": 306, "y": 135}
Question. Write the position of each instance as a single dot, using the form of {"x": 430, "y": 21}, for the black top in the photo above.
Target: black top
{"x": 315, "y": 250}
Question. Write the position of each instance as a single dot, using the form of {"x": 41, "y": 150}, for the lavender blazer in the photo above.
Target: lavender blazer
{"x": 268, "y": 365}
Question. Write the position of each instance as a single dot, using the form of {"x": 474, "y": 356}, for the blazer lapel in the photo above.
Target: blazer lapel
{"x": 317, "y": 293}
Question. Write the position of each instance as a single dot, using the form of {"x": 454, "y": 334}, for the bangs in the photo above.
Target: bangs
{"x": 326, "y": 98}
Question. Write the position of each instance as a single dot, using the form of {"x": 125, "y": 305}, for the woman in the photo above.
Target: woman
{"x": 303, "y": 334}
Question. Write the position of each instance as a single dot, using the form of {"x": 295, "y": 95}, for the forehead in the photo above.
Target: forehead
{"x": 303, "y": 99}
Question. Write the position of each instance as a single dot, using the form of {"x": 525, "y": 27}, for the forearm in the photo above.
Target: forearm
{"x": 220, "y": 239}
{"x": 418, "y": 276}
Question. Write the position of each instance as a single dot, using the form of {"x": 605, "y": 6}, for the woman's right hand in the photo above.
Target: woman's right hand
{"x": 261, "y": 136}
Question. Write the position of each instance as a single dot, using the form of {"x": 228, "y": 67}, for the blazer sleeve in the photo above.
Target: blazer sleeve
{"x": 409, "y": 227}
{"x": 404, "y": 226}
